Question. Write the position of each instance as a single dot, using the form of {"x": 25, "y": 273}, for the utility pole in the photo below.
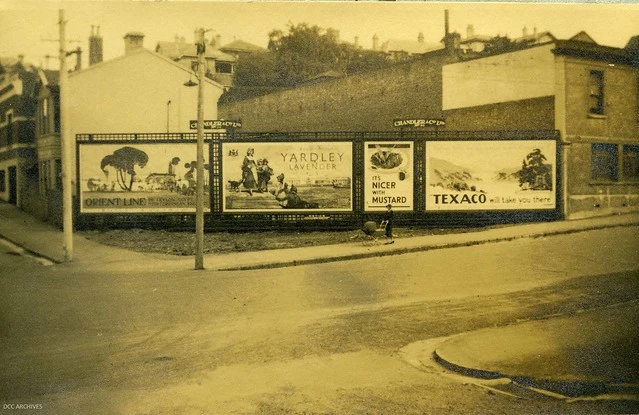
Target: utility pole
{"x": 199, "y": 184}
{"x": 67, "y": 196}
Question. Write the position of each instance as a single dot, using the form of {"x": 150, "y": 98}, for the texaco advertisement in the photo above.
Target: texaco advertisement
{"x": 292, "y": 176}
{"x": 139, "y": 178}
{"x": 490, "y": 175}
{"x": 388, "y": 175}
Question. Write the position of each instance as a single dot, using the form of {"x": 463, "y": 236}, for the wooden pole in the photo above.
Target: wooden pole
{"x": 66, "y": 143}
{"x": 199, "y": 191}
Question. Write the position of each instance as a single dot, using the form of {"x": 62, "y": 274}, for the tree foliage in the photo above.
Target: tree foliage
{"x": 124, "y": 161}
{"x": 534, "y": 173}
{"x": 305, "y": 51}
{"x": 300, "y": 53}
{"x": 502, "y": 44}
{"x": 256, "y": 70}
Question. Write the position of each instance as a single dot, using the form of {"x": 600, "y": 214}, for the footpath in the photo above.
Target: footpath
{"x": 585, "y": 354}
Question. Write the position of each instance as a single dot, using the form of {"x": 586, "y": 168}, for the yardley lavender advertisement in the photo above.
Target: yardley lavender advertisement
{"x": 388, "y": 175}
{"x": 139, "y": 178}
{"x": 292, "y": 176}
{"x": 490, "y": 175}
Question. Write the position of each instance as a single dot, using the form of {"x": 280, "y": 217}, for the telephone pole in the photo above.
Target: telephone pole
{"x": 199, "y": 184}
{"x": 65, "y": 143}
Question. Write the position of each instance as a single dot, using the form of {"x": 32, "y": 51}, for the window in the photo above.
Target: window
{"x": 630, "y": 162}
{"x": 3, "y": 181}
{"x": 223, "y": 67}
{"x": 56, "y": 114}
{"x": 596, "y": 87}
{"x": 9, "y": 128}
{"x": 50, "y": 175}
{"x": 43, "y": 176}
{"x": 604, "y": 162}
{"x": 58, "y": 174}
{"x": 44, "y": 117}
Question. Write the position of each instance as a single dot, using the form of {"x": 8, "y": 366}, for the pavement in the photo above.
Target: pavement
{"x": 565, "y": 356}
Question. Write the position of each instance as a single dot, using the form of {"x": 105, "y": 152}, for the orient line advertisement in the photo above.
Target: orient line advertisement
{"x": 292, "y": 176}
{"x": 388, "y": 175}
{"x": 490, "y": 175}
{"x": 139, "y": 178}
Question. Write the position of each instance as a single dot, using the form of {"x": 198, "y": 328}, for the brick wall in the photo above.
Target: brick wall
{"x": 363, "y": 102}
{"x": 530, "y": 114}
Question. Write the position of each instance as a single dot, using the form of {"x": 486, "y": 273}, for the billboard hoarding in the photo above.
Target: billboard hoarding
{"x": 291, "y": 176}
{"x": 388, "y": 175}
{"x": 139, "y": 178}
{"x": 491, "y": 175}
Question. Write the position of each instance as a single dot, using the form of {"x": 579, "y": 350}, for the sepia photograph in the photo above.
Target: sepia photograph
{"x": 319, "y": 207}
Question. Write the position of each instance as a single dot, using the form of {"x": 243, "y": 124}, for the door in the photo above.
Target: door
{"x": 13, "y": 185}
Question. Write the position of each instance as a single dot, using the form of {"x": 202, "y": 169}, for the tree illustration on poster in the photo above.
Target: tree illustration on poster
{"x": 124, "y": 161}
{"x": 534, "y": 173}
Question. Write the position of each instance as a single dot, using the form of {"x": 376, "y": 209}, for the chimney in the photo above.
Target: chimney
{"x": 356, "y": 41}
{"x": 78, "y": 58}
{"x": 470, "y": 31}
{"x": 451, "y": 40}
{"x": 446, "y": 27}
{"x": 133, "y": 41}
{"x": 216, "y": 41}
{"x": 420, "y": 37}
{"x": 375, "y": 42}
{"x": 95, "y": 46}
{"x": 525, "y": 32}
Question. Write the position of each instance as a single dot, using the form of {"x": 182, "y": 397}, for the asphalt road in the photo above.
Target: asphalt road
{"x": 322, "y": 339}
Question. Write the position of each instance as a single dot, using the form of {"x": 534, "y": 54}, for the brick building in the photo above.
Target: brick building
{"x": 586, "y": 91}
{"x": 18, "y": 98}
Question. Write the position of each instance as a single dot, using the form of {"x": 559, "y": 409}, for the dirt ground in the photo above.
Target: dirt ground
{"x": 183, "y": 243}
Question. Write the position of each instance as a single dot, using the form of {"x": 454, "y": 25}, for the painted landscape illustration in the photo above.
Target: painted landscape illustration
{"x": 287, "y": 176}
{"x": 146, "y": 177}
{"x": 504, "y": 175}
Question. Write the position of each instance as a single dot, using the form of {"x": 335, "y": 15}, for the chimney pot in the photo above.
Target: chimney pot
{"x": 133, "y": 41}
{"x": 470, "y": 31}
{"x": 95, "y": 46}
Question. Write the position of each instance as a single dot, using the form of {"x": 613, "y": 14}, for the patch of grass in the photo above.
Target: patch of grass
{"x": 183, "y": 243}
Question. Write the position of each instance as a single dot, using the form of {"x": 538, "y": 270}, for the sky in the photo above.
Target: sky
{"x": 30, "y": 27}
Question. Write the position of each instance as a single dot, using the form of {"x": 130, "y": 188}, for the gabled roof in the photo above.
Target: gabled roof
{"x": 633, "y": 44}
{"x": 412, "y": 47}
{"x": 589, "y": 50}
{"x": 583, "y": 37}
{"x": 242, "y": 46}
{"x": 158, "y": 56}
{"x": 177, "y": 50}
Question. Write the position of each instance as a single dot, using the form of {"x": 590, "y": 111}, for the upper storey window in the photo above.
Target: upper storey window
{"x": 596, "y": 86}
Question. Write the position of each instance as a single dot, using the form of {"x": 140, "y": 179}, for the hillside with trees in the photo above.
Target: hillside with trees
{"x": 296, "y": 55}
